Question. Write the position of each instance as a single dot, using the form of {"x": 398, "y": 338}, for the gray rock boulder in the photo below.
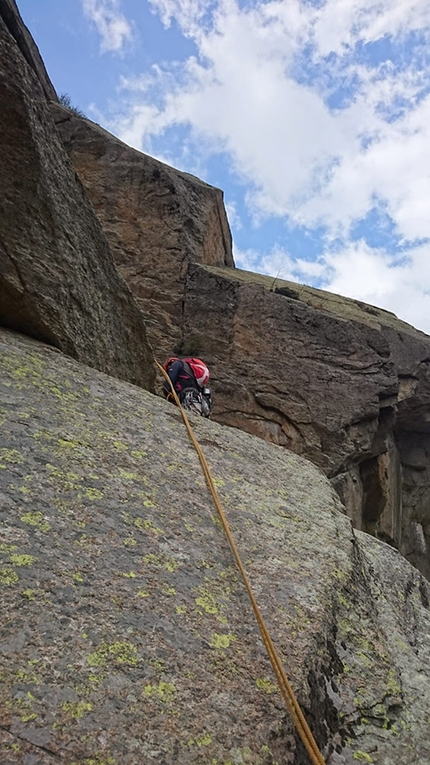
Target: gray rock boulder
{"x": 58, "y": 280}
{"x": 129, "y": 638}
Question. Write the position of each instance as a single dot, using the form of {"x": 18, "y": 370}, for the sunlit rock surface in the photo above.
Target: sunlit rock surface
{"x": 157, "y": 220}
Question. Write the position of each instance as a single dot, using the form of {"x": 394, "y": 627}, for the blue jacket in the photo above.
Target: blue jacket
{"x": 180, "y": 378}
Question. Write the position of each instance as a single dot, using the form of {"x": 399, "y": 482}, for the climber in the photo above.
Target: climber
{"x": 189, "y": 377}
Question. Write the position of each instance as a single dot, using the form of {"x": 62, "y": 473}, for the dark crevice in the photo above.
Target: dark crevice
{"x": 6, "y": 728}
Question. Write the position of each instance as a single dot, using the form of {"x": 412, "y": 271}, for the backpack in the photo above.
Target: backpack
{"x": 199, "y": 370}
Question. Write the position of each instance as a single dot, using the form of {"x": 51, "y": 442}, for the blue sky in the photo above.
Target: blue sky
{"x": 312, "y": 116}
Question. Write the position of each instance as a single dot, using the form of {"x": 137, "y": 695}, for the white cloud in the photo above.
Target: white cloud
{"x": 397, "y": 284}
{"x": 233, "y": 215}
{"x": 280, "y": 264}
{"x": 340, "y": 24}
{"x": 301, "y": 158}
{"x": 115, "y": 30}
{"x": 320, "y": 127}
{"x": 277, "y": 263}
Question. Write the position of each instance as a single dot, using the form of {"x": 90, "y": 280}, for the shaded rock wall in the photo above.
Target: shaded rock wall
{"x": 58, "y": 280}
{"x": 344, "y": 384}
{"x": 156, "y": 219}
{"x": 11, "y": 17}
{"x": 129, "y": 636}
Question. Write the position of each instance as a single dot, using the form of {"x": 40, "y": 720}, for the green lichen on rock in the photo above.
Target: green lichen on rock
{"x": 163, "y": 691}
{"x": 22, "y": 560}
{"x": 128, "y": 623}
{"x": 8, "y": 577}
{"x": 221, "y": 641}
{"x": 116, "y": 653}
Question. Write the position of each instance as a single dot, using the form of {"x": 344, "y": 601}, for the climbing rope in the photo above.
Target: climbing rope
{"x": 283, "y": 682}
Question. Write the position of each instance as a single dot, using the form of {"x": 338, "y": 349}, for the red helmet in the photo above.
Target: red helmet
{"x": 169, "y": 362}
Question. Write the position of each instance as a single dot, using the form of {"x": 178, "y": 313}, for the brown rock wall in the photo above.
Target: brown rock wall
{"x": 156, "y": 219}
{"x": 325, "y": 377}
{"x": 305, "y": 378}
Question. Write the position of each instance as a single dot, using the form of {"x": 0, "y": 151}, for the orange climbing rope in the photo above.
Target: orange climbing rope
{"x": 283, "y": 682}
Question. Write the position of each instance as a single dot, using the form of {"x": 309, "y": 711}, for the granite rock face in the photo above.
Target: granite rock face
{"x": 58, "y": 280}
{"x": 129, "y": 636}
{"x": 157, "y": 220}
{"x": 342, "y": 383}
{"x": 11, "y": 17}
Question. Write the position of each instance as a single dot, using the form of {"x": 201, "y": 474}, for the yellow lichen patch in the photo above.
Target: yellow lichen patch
{"x": 212, "y": 595}
{"x": 24, "y": 706}
{"x": 77, "y": 709}
{"x": 163, "y": 691}
{"x": 170, "y": 564}
{"x": 28, "y": 675}
{"x": 69, "y": 480}
{"x": 22, "y": 560}
{"x": 151, "y": 558}
{"x": 362, "y": 756}
{"x": 27, "y": 716}
{"x": 265, "y": 685}
{"x": 142, "y": 593}
{"x": 29, "y": 594}
{"x": 93, "y": 493}
{"x": 156, "y": 560}
{"x": 36, "y": 519}
{"x": 7, "y": 549}
{"x": 68, "y": 444}
{"x": 8, "y": 577}
{"x": 207, "y": 601}
{"x": 95, "y": 679}
{"x": 129, "y": 542}
{"x": 127, "y": 574}
{"x": 127, "y": 475}
{"x": 119, "y": 446}
{"x": 119, "y": 653}
{"x": 77, "y": 577}
{"x": 11, "y": 456}
{"x": 43, "y": 435}
{"x": 393, "y": 686}
{"x": 138, "y": 454}
{"x": 204, "y": 740}
{"x": 167, "y": 590}
{"x": 146, "y": 525}
{"x": 221, "y": 641}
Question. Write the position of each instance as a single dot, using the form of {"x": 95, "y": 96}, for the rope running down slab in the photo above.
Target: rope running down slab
{"x": 293, "y": 706}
